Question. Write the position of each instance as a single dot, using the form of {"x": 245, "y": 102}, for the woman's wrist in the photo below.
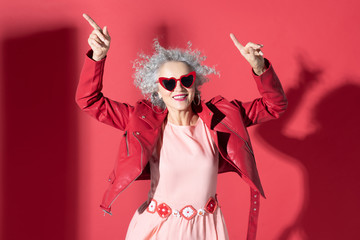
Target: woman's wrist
{"x": 260, "y": 70}
{"x": 97, "y": 57}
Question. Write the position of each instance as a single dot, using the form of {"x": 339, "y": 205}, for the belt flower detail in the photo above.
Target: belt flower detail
{"x": 188, "y": 212}
{"x": 211, "y": 205}
{"x": 152, "y": 206}
{"x": 164, "y": 210}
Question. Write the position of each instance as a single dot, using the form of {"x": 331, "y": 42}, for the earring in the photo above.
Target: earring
{"x": 152, "y": 107}
{"x": 199, "y": 99}
{"x": 156, "y": 98}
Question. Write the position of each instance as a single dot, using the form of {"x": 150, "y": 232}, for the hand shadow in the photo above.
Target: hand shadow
{"x": 330, "y": 158}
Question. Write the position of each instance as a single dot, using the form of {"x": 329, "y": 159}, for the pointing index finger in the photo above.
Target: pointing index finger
{"x": 91, "y": 21}
{"x": 236, "y": 42}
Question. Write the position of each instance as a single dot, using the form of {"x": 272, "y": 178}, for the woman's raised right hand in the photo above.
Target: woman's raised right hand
{"x": 99, "y": 39}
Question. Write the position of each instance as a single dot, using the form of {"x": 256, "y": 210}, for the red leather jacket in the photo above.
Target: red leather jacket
{"x": 226, "y": 120}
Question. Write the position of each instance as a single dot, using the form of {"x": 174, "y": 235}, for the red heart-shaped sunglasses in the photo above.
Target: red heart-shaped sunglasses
{"x": 185, "y": 80}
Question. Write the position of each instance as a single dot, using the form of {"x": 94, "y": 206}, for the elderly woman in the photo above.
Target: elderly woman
{"x": 177, "y": 140}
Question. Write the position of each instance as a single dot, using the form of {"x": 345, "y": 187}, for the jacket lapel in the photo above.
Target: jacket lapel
{"x": 153, "y": 116}
{"x": 210, "y": 114}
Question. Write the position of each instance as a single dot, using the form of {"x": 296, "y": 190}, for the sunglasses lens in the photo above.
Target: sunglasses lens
{"x": 169, "y": 84}
{"x": 187, "y": 81}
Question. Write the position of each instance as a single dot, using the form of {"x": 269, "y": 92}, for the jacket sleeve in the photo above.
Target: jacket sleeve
{"x": 272, "y": 103}
{"x": 92, "y": 101}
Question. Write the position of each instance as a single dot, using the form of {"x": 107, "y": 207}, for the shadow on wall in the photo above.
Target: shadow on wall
{"x": 40, "y": 139}
{"x": 330, "y": 158}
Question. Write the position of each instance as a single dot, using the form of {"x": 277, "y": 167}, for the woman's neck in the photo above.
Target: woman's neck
{"x": 182, "y": 118}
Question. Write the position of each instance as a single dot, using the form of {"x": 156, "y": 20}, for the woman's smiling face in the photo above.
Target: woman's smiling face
{"x": 180, "y": 98}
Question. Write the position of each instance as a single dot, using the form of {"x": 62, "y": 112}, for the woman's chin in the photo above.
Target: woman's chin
{"x": 180, "y": 105}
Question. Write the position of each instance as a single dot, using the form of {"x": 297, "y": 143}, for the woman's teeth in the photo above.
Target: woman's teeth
{"x": 179, "y": 97}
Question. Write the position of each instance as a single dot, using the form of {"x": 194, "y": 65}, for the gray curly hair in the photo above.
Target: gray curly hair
{"x": 146, "y": 69}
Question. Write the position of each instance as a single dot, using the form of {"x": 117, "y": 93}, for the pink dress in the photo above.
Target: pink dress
{"x": 186, "y": 174}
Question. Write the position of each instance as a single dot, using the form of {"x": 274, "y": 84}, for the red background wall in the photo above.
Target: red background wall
{"x": 55, "y": 159}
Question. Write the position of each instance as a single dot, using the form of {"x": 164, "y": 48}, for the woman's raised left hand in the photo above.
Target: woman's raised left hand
{"x": 252, "y": 53}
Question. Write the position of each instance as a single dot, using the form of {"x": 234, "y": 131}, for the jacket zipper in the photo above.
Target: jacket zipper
{"x": 246, "y": 143}
{"x": 127, "y": 143}
{"x": 141, "y": 161}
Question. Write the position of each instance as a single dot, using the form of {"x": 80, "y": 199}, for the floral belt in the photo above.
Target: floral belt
{"x": 187, "y": 212}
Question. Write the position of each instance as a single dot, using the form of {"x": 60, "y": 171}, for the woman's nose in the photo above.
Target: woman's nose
{"x": 179, "y": 86}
